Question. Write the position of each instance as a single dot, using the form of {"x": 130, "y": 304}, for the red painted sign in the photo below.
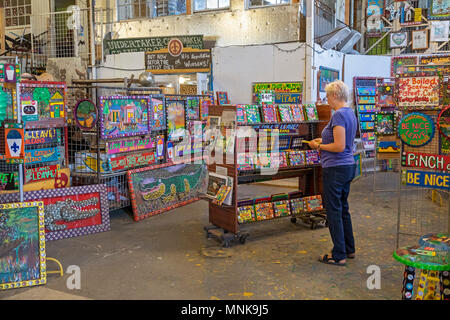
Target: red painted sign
{"x": 132, "y": 160}
{"x": 41, "y": 173}
{"x": 426, "y": 161}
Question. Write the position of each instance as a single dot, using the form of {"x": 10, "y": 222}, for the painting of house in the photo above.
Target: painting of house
{"x": 57, "y": 105}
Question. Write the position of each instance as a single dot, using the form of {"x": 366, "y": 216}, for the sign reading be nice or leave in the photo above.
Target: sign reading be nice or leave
{"x": 416, "y": 129}
{"x": 427, "y": 179}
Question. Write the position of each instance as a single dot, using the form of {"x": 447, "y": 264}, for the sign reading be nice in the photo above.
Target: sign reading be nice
{"x": 416, "y": 129}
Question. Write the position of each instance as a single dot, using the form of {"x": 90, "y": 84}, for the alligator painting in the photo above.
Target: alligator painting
{"x": 161, "y": 188}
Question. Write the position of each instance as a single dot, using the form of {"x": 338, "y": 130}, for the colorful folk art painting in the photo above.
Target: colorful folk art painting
{"x": 416, "y": 129}
{"x": 86, "y": 114}
{"x": 444, "y": 122}
{"x": 158, "y": 122}
{"x": 70, "y": 212}
{"x": 41, "y": 136}
{"x": 43, "y": 100}
{"x": 385, "y": 123}
{"x": 388, "y": 146}
{"x": 176, "y": 121}
{"x": 123, "y": 116}
{"x": 385, "y": 96}
{"x": 9, "y": 181}
{"x": 193, "y": 108}
{"x": 22, "y": 245}
{"x": 42, "y": 155}
{"x": 163, "y": 187}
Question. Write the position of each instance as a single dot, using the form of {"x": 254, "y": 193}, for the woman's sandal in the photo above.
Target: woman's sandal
{"x": 330, "y": 260}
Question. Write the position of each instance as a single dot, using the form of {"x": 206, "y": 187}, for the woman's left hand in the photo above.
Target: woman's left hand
{"x": 313, "y": 145}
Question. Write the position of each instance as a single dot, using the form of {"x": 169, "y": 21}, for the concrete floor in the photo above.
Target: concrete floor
{"x": 169, "y": 257}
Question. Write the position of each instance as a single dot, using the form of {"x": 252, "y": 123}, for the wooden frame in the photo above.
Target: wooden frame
{"x": 59, "y": 202}
{"x": 161, "y": 198}
{"x": 114, "y": 121}
{"x": 394, "y": 44}
{"x": 33, "y": 222}
{"x": 415, "y": 34}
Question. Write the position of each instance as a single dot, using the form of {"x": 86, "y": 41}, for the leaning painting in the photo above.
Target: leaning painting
{"x": 43, "y": 101}
{"x": 163, "y": 187}
{"x": 123, "y": 116}
{"x": 22, "y": 245}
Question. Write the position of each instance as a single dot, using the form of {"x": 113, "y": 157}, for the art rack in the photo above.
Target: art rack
{"x": 224, "y": 218}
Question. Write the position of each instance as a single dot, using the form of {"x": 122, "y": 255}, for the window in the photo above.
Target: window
{"x": 262, "y": 3}
{"x": 136, "y": 9}
{"x": 17, "y": 12}
{"x": 200, "y": 5}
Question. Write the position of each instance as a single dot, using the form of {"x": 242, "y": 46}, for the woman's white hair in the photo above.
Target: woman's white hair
{"x": 339, "y": 89}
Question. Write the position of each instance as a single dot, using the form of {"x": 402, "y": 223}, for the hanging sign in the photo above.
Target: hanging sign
{"x": 435, "y": 180}
{"x": 416, "y": 129}
{"x": 149, "y": 44}
{"x": 288, "y": 98}
{"x": 444, "y": 122}
{"x": 41, "y": 136}
{"x": 132, "y": 160}
{"x": 129, "y": 145}
{"x": 14, "y": 142}
{"x": 42, "y": 155}
{"x": 418, "y": 91}
{"x": 189, "y": 61}
{"x": 426, "y": 161}
{"x": 41, "y": 173}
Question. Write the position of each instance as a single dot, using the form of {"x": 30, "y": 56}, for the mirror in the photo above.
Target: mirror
{"x": 85, "y": 114}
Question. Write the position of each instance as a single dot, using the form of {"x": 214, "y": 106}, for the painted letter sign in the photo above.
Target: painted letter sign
{"x": 426, "y": 161}
{"x": 41, "y": 173}
{"x": 42, "y": 136}
{"x": 418, "y": 91}
{"x": 427, "y": 179}
{"x": 129, "y": 145}
{"x": 416, "y": 129}
{"x": 42, "y": 155}
{"x": 132, "y": 160}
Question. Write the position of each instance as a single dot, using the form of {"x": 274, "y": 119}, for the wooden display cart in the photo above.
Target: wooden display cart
{"x": 224, "y": 218}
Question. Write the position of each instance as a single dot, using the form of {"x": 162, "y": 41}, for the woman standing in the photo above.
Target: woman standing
{"x": 336, "y": 150}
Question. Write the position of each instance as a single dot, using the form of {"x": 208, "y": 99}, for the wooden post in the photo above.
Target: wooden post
{"x": 2, "y": 28}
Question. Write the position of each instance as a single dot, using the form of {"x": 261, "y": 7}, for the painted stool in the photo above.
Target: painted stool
{"x": 435, "y": 274}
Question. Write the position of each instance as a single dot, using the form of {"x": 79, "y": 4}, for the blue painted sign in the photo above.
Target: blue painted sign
{"x": 288, "y": 98}
{"x": 367, "y": 117}
{"x": 42, "y": 155}
{"x": 435, "y": 180}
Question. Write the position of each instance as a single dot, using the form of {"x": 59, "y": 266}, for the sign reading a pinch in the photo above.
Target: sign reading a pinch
{"x": 416, "y": 129}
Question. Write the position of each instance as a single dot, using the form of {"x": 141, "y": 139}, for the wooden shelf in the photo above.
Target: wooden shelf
{"x": 309, "y": 177}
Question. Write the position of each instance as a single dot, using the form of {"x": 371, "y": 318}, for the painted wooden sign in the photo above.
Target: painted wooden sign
{"x": 440, "y": 63}
{"x": 41, "y": 173}
{"x": 164, "y": 187}
{"x": 70, "y": 212}
{"x": 131, "y": 161}
{"x": 222, "y": 97}
{"x": 123, "y": 116}
{"x": 418, "y": 91}
{"x": 368, "y": 108}
{"x": 416, "y": 129}
{"x": 438, "y": 10}
{"x": 41, "y": 136}
{"x": 176, "y": 121}
{"x": 435, "y": 180}
{"x": 22, "y": 245}
{"x": 129, "y": 145}
{"x": 9, "y": 72}
{"x": 388, "y": 146}
{"x": 400, "y": 65}
{"x": 188, "y": 61}
{"x": 62, "y": 180}
{"x": 426, "y": 161}
{"x": 42, "y": 155}
{"x": 385, "y": 96}
{"x": 288, "y": 98}
{"x": 9, "y": 181}
{"x": 14, "y": 143}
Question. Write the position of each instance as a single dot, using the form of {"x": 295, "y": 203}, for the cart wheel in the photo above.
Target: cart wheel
{"x": 242, "y": 239}
{"x": 293, "y": 220}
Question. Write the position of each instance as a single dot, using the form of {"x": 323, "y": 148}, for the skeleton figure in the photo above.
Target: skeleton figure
{"x": 68, "y": 211}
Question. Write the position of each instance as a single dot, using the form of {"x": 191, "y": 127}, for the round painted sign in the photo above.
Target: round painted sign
{"x": 444, "y": 122}
{"x": 416, "y": 129}
{"x": 175, "y": 47}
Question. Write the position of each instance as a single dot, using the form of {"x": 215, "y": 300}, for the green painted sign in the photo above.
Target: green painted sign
{"x": 416, "y": 129}
{"x": 116, "y": 46}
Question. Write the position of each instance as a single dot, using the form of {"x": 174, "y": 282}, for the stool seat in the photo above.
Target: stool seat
{"x": 438, "y": 241}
